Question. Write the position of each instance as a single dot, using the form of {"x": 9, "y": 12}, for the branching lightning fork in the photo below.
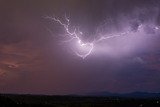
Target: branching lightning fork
{"x": 76, "y": 33}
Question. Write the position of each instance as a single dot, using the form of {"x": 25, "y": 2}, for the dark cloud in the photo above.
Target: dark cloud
{"x": 33, "y": 60}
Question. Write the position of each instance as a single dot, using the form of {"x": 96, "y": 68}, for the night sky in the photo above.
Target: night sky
{"x": 34, "y": 60}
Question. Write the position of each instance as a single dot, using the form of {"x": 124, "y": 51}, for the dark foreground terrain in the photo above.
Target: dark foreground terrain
{"x": 9, "y": 100}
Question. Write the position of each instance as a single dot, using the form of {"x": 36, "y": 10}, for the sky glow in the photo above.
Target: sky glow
{"x": 84, "y": 49}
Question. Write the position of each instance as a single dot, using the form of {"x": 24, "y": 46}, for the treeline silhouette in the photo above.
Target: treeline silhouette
{"x": 8, "y": 100}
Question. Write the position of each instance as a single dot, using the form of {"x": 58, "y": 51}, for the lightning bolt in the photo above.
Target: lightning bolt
{"x": 89, "y": 46}
{"x": 75, "y": 36}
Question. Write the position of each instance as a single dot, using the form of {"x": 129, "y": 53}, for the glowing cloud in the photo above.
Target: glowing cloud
{"x": 83, "y": 49}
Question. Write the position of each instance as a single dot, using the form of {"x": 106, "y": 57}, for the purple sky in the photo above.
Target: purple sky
{"x": 32, "y": 60}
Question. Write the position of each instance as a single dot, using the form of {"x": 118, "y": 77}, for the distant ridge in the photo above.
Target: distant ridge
{"x": 127, "y": 95}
